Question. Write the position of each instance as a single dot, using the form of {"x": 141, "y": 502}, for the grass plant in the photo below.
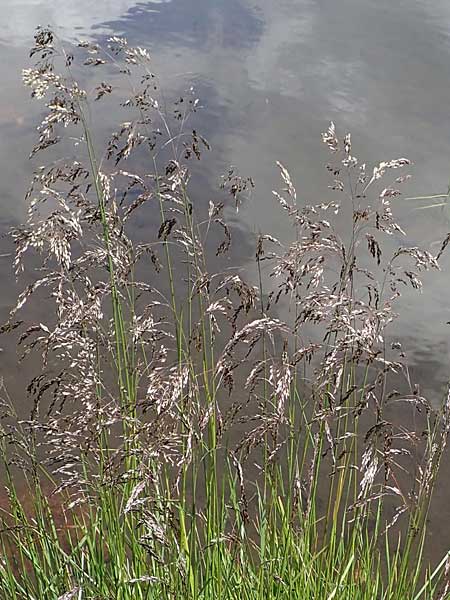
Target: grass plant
{"x": 186, "y": 441}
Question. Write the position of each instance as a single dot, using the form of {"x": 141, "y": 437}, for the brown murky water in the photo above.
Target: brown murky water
{"x": 271, "y": 74}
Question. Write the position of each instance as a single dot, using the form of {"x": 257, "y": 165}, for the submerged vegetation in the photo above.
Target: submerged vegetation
{"x": 194, "y": 436}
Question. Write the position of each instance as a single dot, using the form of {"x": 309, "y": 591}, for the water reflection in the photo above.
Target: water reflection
{"x": 271, "y": 74}
{"x": 70, "y": 19}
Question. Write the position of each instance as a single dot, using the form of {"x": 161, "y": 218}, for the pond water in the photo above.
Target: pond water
{"x": 271, "y": 74}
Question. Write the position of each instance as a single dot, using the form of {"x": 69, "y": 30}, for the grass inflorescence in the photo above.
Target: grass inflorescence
{"x": 186, "y": 441}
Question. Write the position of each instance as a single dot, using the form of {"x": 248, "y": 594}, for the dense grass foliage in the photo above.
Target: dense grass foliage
{"x": 193, "y": 435}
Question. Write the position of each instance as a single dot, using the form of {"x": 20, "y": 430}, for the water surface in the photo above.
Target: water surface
{"x": 271, "y": 74}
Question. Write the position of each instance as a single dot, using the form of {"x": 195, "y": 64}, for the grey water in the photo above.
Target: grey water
{"x": 271, "y": 74}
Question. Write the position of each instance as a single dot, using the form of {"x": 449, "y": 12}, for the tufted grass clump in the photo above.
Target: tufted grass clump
{"x": 193, "y": 435}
